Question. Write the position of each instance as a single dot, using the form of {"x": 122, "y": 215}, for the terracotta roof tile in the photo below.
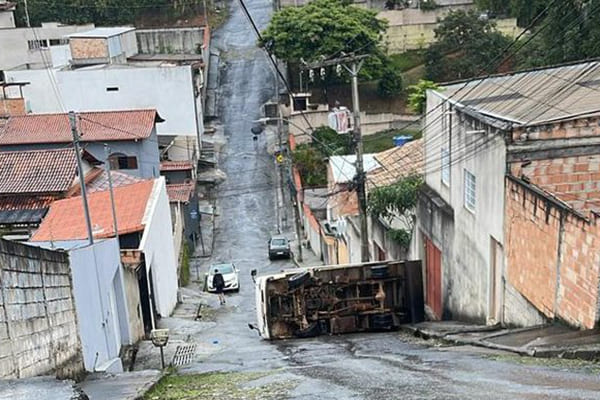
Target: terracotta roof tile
{"x": 32, "y": 202}
{"x": 100, "y": 182}
{"x": 397, "y": 162}
{"x": 176, "y": 165}
{"x": 180, "y": 192}
{"x": 93, "y": 126}
{"x": 65, "y": 220}
{"x": 37, "y": 171}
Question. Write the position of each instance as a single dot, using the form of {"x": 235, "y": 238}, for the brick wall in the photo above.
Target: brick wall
{"x": 12, "y": 107}
{"x": 88, "y": 48}
{"x": 553, "y": 256}
{"x": 38, "y": 326}
{"x": 575, "y": 180}
{"x": 584, "y": 127}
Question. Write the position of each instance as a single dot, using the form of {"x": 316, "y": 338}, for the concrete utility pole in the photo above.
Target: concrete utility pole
{"x": 353, "y": 64}
{"x": 110, "y": 188}
{"x": 88, "y": 222}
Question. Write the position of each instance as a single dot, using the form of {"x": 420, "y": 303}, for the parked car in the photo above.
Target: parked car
{"x": 279, "y": 246}
{"x": 230, "y": 276}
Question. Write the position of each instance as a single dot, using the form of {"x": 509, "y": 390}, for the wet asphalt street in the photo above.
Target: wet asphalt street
{"x": 373, "y": 366}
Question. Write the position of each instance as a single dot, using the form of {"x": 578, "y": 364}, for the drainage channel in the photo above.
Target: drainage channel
{"x": 184, "y": 354}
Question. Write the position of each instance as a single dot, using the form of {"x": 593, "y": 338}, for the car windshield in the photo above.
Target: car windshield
{"x": 278, "y": 242}
{"x": 223, "y": 268}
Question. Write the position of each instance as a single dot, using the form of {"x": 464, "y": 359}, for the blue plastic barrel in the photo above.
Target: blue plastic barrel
{"x": 401, "y": 140}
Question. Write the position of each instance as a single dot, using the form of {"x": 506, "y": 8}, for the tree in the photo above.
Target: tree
{"x": 311, "y": 165}
{"x": 390, "y": 83}
{"x": 466, "y": 46}
{"x": 398, "y": 200}
{"x": 326, "y": 28}
{"x": 331, "y": 143}
{"x": 417, "y": 96}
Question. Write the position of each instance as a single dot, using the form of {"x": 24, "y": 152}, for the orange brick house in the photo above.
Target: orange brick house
{"x": 508, "y": 219}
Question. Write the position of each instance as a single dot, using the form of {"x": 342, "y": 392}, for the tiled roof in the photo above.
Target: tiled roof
{"x": 396, "y": 163}
{"x": 176, "y": 166}
{"x": 180, "y": 192}
{"x": 28, "y": 202}
{"x": 92, "y": 126}
{"x": 100, "y": 182}
{"x": 37, "y": 171}
{"x": 65, "y": 220}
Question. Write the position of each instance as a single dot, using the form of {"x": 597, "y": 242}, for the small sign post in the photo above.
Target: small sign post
{"x": 159, "y": 338}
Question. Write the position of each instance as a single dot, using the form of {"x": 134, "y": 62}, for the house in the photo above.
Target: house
{"x": 129, "y": 134}
{"x": 30, "y": 45}
{"x": 31, "y": 180}
{"x": 395, "y": 163}
{"x": 341, "y": 231}
{"x": 100, "y": 70}
{"x": 12, "y": 102}
{"x": 177, "y": 171}
{"x": 507, "y": 220}
{"x": 143, "y": 222}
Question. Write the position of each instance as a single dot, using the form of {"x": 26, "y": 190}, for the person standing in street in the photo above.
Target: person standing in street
{"x": 219, "y": 283}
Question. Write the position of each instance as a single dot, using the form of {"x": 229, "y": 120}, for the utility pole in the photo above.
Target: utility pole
{"x": 353, "y": 64}
{"x": 86, "y": 211}
{"x": 110, "y": 188}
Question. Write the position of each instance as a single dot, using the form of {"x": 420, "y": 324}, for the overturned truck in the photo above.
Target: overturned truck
{"x": 337, "y": 299}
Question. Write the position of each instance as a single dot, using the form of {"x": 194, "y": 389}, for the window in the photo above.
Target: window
{"x": 445, "y": 167}
{"x": 112, "y": 89}
{"x": 121, "y": 161}
{"x": 470, "y": 187}
{"x": 37, "y": 44}
{"x": 58, "y": 42}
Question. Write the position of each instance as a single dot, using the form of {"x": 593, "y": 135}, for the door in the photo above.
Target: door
{"x": 433, "y": 278}
{"x": 495, "y": 281}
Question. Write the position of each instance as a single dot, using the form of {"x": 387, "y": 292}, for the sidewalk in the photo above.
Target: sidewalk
{"x": 540, "y": 341}
{"x": 309, "y": 259}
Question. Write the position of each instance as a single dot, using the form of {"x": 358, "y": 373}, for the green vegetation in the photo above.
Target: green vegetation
{"x": 106, "y": 12}
{"x": 397, "y": 201}
{"x": 384, "y": 140}
{"x": 466, "y": 46}
{"x": 184, "y": 268}
{"x": 390, "y": 84}
{"x": 218, "y": 386}
{"x": 417, "y": 96}
{"x": 408, "y": 60}
{"x": 311, "y": 165}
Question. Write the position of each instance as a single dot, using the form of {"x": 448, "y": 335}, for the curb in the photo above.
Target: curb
{"x": 148, "y": 386}
{"x": 452, "y": 338}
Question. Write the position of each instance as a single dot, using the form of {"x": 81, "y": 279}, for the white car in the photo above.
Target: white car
{"x": 230, "y": 276}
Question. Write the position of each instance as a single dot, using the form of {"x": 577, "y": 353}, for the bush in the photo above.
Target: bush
{"x": 390, "y": 84}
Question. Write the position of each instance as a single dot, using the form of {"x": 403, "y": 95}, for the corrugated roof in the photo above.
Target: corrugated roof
{"x": 180, "y": 192}
{"x": 93, "y": 126}
{"x": 102, "y": 32}
{"x": 37, "y": 171}
{"x": 65, "y": 220}
{"x": 533, "y": 97}
{"x": 176, "y": 165}
{"x": 343, "y": 166}
{"x": 396, "y": 163}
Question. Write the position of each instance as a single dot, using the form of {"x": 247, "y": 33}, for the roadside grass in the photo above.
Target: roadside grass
{"x": 384, "y": 140}
{"x": 219, "y": 385}
{"x": 408, "y": 60}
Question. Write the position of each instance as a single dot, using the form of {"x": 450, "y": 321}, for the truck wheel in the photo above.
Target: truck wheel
{"x": 298, "y": 280}
{"x": 379, "y": 272}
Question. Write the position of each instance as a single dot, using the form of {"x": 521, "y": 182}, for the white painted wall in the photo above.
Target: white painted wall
{"x": 100, "y": 299}
{"x": 168, "y": 89}
{"x": 15, "y": 50}
{"x": 467, "y": 269}
{"x": 7, "y": 19}
{"x": 157, "y": 245}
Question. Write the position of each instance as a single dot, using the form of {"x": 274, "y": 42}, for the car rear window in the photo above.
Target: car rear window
{"x": 223, "y": 269}
{"x": 278, "y": 242}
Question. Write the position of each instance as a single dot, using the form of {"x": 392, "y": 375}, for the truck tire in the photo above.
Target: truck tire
{"x": 379, "y": 272}
{"x": 298, "y": 280}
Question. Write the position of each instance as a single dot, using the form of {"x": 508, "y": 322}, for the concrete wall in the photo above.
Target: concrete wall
{"x": 101, "y": 303}
{"x": 466, "y": 266}
{"x": 132, "y": 290}
{"x": 7, "y": 19}
{"x": 170, "y": 40}
{"x": 370, "y": 123}
{"x": 157, "y": 245}
{"x": 168, "y": 89}
{"x": 38, "y": 322}
{"x": 15, "y": 50}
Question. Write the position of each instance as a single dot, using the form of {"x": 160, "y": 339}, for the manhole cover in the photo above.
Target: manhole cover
{"x": 184, "y": 354}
